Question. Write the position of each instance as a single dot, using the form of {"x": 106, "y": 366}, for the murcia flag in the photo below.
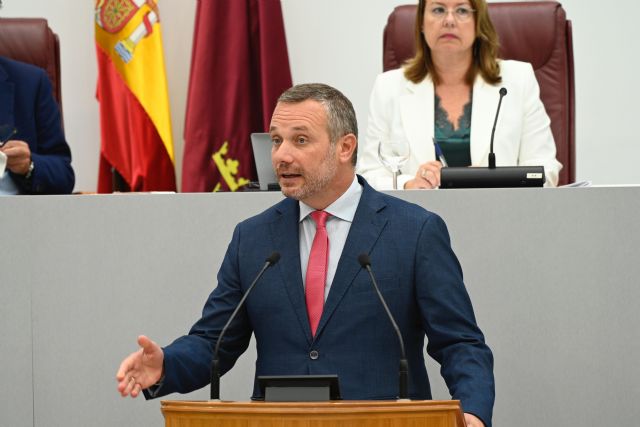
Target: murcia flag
{"x": 239, "y": 68}
{"x": 135, "y": 123}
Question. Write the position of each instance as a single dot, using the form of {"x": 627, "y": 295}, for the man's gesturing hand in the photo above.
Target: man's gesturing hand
{"x": 141, "y": 369}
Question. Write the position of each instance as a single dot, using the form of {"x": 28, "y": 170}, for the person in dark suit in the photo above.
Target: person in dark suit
{"x": 38, "y": 158}
{"x": 314, "y": 133}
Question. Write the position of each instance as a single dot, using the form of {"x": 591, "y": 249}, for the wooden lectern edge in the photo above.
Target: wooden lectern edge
{"x": 324, "y": 414}
{"x": 310, "y": 407}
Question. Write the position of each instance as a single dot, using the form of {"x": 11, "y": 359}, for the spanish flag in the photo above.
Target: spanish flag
{"x": 135, "y": 121}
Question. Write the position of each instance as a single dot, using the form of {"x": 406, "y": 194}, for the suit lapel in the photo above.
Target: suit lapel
{"x": 287, "y": 242}
{"x": 417, "y": 115}
{"x": 483, "y": 110}
{"x": 364, "y": 232}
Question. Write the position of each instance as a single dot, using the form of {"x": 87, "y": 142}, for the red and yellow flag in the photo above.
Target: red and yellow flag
{"x": 135, "y": 121}
{"x": 239, "y": 68}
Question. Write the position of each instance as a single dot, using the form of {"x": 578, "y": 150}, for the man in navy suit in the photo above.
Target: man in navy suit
{"x": 314, "y": 133}
{"x": 38, "y": 159}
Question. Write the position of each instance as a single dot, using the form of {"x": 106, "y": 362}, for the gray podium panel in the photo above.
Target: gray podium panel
{"x": 16, "y": 350}
{"x": 552, "y": 273}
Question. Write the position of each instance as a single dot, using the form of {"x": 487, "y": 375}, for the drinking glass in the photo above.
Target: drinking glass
{"x": 393, "y": 154}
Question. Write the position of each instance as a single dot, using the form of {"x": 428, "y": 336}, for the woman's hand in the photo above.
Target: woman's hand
{"x": 427, "y": 176}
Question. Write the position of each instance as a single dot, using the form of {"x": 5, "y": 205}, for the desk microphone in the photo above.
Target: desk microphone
{"x": 403, "y": 371}
{"x": 215, "y": 363}
{"x": 492, "y": 176}
{"x": 492, "y": 155}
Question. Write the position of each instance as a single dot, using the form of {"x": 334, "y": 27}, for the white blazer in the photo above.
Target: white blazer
{"x": 400, "y": 108}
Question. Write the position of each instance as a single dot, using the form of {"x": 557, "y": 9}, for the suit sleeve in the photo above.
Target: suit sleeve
{"x": 385, "y": 122}
{"x": 187, "y": 362}
{"x": 50, "y": 152}
{"x": 537, "y": 146}
{"x": 454, "y": 339}
{"x": 378, "y": 129}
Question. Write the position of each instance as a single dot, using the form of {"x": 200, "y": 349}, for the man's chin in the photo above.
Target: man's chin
{"x": 292, "y": 192}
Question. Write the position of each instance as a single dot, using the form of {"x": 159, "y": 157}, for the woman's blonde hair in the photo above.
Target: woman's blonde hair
{"x": 485, "y": 49}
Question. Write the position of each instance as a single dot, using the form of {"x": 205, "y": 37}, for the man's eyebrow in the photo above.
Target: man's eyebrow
{"x": 301, "y": 128}
{"x": 295, "y": 128}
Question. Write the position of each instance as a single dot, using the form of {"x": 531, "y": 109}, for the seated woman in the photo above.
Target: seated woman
{"x": 449, "y": 92}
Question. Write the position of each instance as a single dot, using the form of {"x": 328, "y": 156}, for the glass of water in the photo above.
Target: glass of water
{"x": 393, "y": 154}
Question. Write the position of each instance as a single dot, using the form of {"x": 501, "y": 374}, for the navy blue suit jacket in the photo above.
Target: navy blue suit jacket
{"x": 27, "y": 104}
{"x": 418, "y": 275}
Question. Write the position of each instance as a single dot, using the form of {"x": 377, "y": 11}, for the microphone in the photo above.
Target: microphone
{"x": 403, "y": 371}
{"x": 215, "y": 363}
{"x": 492, "y": 155}
{"x": 492, "y": 176}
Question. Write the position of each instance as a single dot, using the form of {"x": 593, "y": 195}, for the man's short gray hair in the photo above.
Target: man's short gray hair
{"x": 341, "y": 117}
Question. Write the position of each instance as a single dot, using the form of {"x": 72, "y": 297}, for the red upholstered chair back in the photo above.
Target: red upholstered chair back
{"x": 31, "y": 40}
{"x": 537, "y": 32}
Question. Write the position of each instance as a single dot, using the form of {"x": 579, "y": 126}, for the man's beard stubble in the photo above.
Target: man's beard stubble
{"x": 316, "y": 182}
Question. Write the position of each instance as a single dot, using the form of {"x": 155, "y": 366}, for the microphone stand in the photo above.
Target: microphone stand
{"x": 492, "y": 155}
{"x": 215, "y": 363}
{"x": 403, "y": 370}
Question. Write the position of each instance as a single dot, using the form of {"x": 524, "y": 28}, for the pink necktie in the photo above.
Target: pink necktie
{"x": 317, "y": 270}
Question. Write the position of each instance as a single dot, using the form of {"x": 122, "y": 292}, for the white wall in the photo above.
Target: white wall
{"x": 339, "y": 42}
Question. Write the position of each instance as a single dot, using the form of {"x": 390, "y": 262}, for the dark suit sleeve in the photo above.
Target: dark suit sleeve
{"x": 50, "y": 152}
{"x": 187, "y": 360}
{"x": 454, "y": 339}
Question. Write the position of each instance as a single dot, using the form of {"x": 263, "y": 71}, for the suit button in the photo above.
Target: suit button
{"x": 314, "y": 354}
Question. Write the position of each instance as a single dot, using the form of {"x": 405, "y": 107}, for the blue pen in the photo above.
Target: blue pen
{"x": 439, "y": 154}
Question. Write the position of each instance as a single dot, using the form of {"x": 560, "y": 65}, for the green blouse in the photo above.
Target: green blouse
{"x": 455, "y": 144}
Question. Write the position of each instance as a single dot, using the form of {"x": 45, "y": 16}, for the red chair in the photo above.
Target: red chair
{"x": 31, "y": 40}
{"x": 537, "y": 32}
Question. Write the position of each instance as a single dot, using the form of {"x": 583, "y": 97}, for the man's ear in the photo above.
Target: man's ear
{"x": 345, "y": 147}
